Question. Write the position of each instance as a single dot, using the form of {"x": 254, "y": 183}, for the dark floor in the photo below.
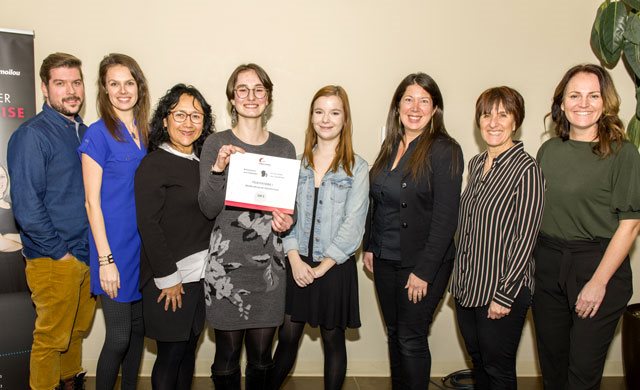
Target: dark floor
{"x": 364, "y": 383}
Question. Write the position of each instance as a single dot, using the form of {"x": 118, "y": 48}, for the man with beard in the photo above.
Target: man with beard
{"x": 48, "y": 204}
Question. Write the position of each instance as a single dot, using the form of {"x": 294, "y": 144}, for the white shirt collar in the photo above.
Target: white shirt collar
{"x": 166, "y": 147}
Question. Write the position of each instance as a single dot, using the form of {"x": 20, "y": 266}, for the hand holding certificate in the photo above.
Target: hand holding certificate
{"x": 262, "y": 182}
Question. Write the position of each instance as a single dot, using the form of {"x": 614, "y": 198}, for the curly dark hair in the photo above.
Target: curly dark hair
{"x": 158, "y": 134}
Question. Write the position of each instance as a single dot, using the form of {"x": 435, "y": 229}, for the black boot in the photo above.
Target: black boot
{"x": 258, "y": 378}
{"x": 229, "y": 381}
{"x": 78, "y": 381}
{"x": 74, "y": 383}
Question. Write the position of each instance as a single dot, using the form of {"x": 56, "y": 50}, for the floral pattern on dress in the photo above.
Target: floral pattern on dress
{"x": 218, "y": 275}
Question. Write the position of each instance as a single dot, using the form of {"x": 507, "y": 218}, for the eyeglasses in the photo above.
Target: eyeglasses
{"x": 181, "y": 116}
{"x": 243, "y": 91}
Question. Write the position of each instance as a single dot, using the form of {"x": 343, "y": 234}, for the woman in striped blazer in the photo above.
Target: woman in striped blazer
{"x": 500, "y": 214}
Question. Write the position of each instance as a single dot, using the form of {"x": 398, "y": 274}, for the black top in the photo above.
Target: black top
{"x": 386, "y": 191}
{"x": 171, "y": 224}
{"x": 313, "y": 219}
{"x": 428, "y": 211}
{"x": 500, "y": 215}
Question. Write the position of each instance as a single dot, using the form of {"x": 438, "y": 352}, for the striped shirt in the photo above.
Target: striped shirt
{"x": 500, "y": 215}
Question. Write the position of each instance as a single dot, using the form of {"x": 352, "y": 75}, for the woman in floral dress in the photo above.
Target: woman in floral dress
{"x": 245, "y": 274}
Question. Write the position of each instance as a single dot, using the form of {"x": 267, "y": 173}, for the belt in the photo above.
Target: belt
{"x": 567, "y": 279}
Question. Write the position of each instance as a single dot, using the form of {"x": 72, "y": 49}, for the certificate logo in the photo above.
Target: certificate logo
{"x": 264, "y": 162}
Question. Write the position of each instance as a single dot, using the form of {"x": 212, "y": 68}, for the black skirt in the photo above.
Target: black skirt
{"x": 168, "y": 326}
{"x": 330, "y": 301}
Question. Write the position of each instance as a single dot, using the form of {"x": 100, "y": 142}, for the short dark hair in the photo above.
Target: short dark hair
{"x": 510, "y": 99}
{"x": 58, "y": 60}
{"x": 158, "y": 135}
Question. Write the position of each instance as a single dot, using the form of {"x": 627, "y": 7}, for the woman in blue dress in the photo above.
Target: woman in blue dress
{"x": 111, "y": 151}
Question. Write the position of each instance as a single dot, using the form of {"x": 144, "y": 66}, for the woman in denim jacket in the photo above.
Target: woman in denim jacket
{"x": 332, "y": 203}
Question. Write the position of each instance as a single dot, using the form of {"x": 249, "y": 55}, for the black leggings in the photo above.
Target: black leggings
{"x": 173, "y": 369}
{"x": 335, "y": 353}
{"x": 123, "y": 344}
{"x": 258, "y": 343}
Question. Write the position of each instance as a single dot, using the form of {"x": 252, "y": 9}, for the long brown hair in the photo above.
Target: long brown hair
{"x": 344, "y": 149}
{"x": 610, "y": 127}
{"x": 418, "y": 164}
{"x": 140, "y": 110}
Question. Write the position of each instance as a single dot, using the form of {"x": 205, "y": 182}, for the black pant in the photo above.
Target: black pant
{"x": 407, "y": 322}
{"x": 493, "y": 344}
{"x": 572, "y": 351}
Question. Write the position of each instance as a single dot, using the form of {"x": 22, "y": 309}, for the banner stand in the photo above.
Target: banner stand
{"x": 17, "y": 315}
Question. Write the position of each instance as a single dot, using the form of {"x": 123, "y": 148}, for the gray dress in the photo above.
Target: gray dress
{"x": 245, "y": 275}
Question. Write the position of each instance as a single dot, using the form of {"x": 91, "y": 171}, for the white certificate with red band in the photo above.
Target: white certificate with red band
{"x": 260, "y": 182}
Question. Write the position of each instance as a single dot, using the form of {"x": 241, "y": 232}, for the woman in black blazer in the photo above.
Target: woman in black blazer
{"x": 175, "y": 234}
{"x": 408, "y": 243}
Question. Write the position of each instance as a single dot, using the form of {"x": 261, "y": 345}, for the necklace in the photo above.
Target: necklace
{"x": 133, "y": 135}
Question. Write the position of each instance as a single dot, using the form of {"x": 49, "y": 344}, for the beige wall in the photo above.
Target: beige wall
{"x": 366, "y": 46}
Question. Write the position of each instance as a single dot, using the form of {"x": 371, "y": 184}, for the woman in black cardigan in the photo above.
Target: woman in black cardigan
{"x": 175, "y": 234}
{"x": 408, "y": 244}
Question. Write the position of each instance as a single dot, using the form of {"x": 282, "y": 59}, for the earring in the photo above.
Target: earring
{"x": 234, "y": 116}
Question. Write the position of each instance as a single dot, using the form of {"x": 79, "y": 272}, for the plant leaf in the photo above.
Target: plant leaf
{"x": 637, "y": 101}
{"x": 607, "y": 60}
{"x": 612, "y": 26}
{"x": 632, "y": 30}
{"x": 595, "y": 31}
{"x": 633, "y": 131}
{"x": 633, "y": 4}
{"x": 632, "y": 57}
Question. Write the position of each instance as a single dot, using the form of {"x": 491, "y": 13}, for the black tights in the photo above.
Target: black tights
{"x": 335, "y": 353}
{"x": 123, "y": 344}
{"x": 173, "y": 369}
{"x": 257, "y": 342}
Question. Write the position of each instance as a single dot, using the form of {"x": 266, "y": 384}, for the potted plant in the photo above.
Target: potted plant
{"x": 616, "y": 33}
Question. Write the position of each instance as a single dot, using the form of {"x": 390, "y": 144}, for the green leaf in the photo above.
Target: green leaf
{"x": 633, "y": 131}
{"x": 637, "y": 101}
{"x": 608, "y": 60}
{"x": 632, "y": 57}
{"x": 612, "y": 26}
{"x": 632, "y": 30}
{"x": 633, "y": 4}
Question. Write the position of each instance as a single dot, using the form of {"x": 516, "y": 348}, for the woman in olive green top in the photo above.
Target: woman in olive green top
{"x": 590, "y": 221}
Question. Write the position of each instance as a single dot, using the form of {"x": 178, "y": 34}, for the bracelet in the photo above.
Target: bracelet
{"x": 105, "y": 260}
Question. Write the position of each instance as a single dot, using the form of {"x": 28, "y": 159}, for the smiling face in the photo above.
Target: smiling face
{"x": 183, "y": 134}
{"x": 327, "y": 117}
{"x": 496, "y": 128}
{"x": 65, "y": 91}
{"x": 415, "y": 108}
{"x": 121, "y": 88}
{"x": 249, "y": 106}
{"x": 582, "y": 105}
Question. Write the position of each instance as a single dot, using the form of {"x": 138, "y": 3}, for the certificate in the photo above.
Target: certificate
{"x": 260, "y": 182}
